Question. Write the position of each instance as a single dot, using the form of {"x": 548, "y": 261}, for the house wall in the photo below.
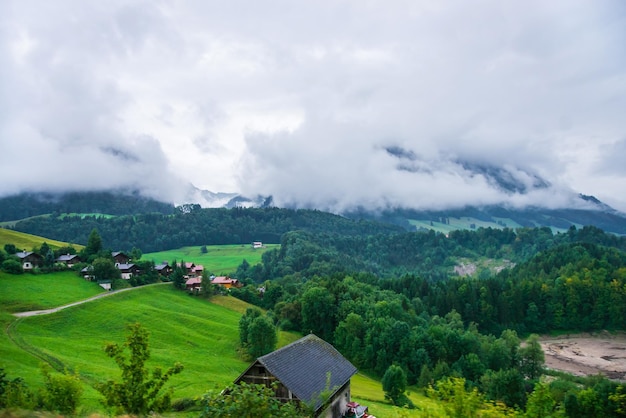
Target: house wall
{"x": 338, "y": 403}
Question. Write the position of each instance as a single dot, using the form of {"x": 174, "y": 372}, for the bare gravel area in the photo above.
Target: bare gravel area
{"x": 587, "y": 354}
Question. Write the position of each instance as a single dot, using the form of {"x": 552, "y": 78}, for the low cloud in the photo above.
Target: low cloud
{"x": 326, "y": 104}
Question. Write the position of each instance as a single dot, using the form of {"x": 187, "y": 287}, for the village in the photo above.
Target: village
{"x": 193, "y": 273}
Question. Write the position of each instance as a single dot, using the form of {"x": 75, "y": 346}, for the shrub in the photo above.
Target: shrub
{"x": 61, "y": 392}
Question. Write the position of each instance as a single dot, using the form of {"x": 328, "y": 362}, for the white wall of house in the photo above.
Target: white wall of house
{"x": 338, "y": 404}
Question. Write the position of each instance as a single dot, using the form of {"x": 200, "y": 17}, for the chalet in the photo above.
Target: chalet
{"x": 226, "y": 282}
{"x": 189, "y": 268}
{"x": 193, "y": 284}
{"x": 68, "y": 259}
{"x": 29, "y": 259}
{"x": 120, "y": 257}
{"x": 303, "y": 370}
{"x": 194, "y": 270}
{"x": 127, "y": 270}
{"x": 257, "y": 244}
{"x": 163, "y": 269}
{"x": 87, "y": 273}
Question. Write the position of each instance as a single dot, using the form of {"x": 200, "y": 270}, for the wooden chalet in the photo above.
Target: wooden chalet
{"x": 120, "y": 258}
{"x": 163, "y": 269}
{"x": 68, "y": 259}
{"x": 127, "y": 270}
{"x": 304, "y": 370}
{"x": 29, "y": 259}
{"x": 193, "y": 284}
{"x": 226, "y": 282}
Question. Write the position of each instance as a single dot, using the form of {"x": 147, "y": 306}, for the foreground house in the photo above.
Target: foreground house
{"x": 308, "y": 371}
{"x": 29, "y": 259}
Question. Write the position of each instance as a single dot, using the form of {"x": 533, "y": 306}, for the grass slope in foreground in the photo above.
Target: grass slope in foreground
{"x": 218, "y": 260}
{"x": 201, "y": 334}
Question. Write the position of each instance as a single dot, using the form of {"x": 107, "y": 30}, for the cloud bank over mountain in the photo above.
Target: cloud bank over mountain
{"x": 320, "y": 104}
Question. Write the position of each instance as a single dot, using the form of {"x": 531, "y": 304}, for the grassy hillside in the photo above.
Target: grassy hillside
{"x": 219, "y": 259}
{"x": 27, "y": 242}
{"x": 28, "y": 292}
{"x": 201, "y": 334}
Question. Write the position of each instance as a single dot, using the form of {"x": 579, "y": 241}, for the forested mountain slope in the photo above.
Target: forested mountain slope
{"x": 192, "y": 225}
{"x": 25, "y": 205}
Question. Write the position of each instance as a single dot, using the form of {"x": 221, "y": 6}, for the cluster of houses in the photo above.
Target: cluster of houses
{"x": 193, "y": 272}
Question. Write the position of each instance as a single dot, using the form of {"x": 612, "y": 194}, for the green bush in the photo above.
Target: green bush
{"x": 12, "y": 266}
{"x": 61, "y": 392}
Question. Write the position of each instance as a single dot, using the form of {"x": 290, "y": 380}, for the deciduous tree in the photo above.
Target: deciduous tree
{"x": 138, "y": 392}
{"x": 394, "y": 385}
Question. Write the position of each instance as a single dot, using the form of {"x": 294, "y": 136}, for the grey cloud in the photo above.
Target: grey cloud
{"x": 410, "y": 103}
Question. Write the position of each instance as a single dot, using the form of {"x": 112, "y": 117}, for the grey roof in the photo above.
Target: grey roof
{"x": 67, "y": 257}
{"x": 125, "y": 267}
{"x": 303, "y": 366}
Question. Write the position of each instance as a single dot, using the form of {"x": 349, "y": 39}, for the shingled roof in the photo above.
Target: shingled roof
{"x": 303, "y": 367}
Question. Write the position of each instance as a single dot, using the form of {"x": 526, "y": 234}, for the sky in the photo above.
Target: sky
{"x": 327, "y": 104}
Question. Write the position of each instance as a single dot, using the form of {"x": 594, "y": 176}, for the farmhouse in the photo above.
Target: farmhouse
{"x": 68, "y": 259}
{"x": 193, "y": 283}
{"x": 193, "y": 270}
{"x": 226, "y": 282}
{"x": 127, "y": 270}
{"x": 29, "y": 259}
{"x": 120, "y": 257}
{"x": 163, "y": 269}
{"x": 304, "y": 370}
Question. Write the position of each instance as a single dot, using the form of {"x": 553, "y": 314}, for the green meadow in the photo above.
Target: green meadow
{"x": 218, "y": 260}
{"x": 27, "y": 242}
{"x": 31, "y": 292}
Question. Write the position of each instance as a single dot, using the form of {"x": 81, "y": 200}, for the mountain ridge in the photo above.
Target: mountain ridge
{"x": 122, "y": 202}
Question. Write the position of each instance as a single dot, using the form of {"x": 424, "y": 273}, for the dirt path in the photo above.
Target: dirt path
{"x": 587, "y": 354}
{"x": 80, "y": 302}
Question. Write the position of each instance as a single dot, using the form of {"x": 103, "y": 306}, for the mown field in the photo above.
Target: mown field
{"x": 218, "y": 260}
{"x": 27, "y": 242}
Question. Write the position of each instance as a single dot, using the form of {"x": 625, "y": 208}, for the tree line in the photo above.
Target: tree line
{"x": 192, "y": 225}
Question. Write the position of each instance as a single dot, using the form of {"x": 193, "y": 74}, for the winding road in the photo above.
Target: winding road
{"x": 80, "y": 302}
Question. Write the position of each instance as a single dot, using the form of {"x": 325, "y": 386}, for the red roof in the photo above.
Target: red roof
{"x": 193, "y": 280}
{"x": 223, "y": 280}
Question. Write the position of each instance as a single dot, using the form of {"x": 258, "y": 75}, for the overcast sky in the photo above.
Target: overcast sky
{"x": 330, "y": 104}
